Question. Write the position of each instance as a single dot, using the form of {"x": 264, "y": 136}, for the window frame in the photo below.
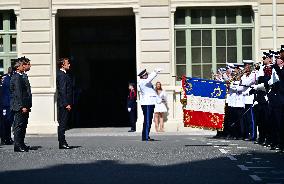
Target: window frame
{"x": 188, "y": 27}
{"x": 6, "y": 33}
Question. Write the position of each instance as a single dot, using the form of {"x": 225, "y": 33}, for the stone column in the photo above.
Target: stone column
{"x": 255, "y": 9}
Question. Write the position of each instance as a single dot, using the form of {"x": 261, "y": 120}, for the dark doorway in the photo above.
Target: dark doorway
{"x": 103, "y": 61}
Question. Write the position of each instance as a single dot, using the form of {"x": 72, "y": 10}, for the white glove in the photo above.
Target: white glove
{"x": 157, "y": 70}
{"x": 129, "y": 109}
{"x": 255, "y": 103}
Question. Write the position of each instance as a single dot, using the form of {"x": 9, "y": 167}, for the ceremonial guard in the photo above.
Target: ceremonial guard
{"x": 20, "y": 105}
{"x": 278, "y": 108}
{"x": 261, "y": 107}
{"x": 237, "y": 104}
{"x": 8, "y": 116}
{"x": 132, "y": 106}
{"x": 247, "y": 80}
{"x": 64, "y": 100}
{"x": 147, "y": 100}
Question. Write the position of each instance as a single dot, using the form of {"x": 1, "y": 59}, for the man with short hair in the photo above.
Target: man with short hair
{"x": 64, "y": 100}
{"x": 20, "y": 105}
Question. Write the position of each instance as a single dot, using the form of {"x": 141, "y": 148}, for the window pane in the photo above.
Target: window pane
{"x": 221, "y": 38}
{"x": 207, "y": 55}
{"x": 196, "y": 38}
{"x": 220, "y": 16}
{"x": 196, "y": 71}
{"x": 180, "y": 38}
{"x": 207, "y": 69}
{"x": 232, "y": 54}
{"x": 206, "y": 16}
{"x": 12, "y": 21}
{"x": 1, "y": 67}
{"x": 180, "y": 16}
{"x": 221, "y": 54}
{"x": 246, "y": 15}
{"x": 247, "y": 36}
{"x": 1, "y": 44}
{"x": 181, "y": 55}
{"x": 231, "y": 38}
{"x": 195, "y": 17}
{"x": 206, "y": 38}
{"x": 13, "y": 43}
{"x": 196, "y": 55}
{"x": 181, "y": 70}
{"x": 1, "y": 21}
{"x": 231, "y": 16}
{"x": 13, "y": 62}
{"x": 247, "y": 53}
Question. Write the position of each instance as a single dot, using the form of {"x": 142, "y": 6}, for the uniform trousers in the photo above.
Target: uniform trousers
{"x": 247, "y": 122}
{"x": 133, "y": 118}
{"x": 63, "y": 117}
{"x": 281, "y": 129}
{"x": 236, "y": 119}
{"x": 276, "y": 119}
{"x": 7, "y": 124}
{"x": 261, "y": 117}
{"x": 20, "y": 126}
{"x": 148, "y": 111}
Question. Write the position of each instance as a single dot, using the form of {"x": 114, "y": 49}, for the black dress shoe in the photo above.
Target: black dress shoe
{"x": 20, "y": 149}
{"x": 131, "y": 131}
{"x": 64, "y": 146}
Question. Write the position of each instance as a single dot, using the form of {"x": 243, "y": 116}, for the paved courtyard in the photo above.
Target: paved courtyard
{"x": 104, "y": 156}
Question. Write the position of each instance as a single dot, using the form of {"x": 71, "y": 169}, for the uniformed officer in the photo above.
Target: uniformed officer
{"x": 279, "y": 68}
{"x": 20, "y": 105}
{"x": 1, "y": 110}
{"x": 261, "y": 108}
{"x": 64, "y": 100}
{"x": 147, "y": 100}
{"x": 247, "y": 80}
{"x": 7, "y": 113}
{"x": 132, "y": 106}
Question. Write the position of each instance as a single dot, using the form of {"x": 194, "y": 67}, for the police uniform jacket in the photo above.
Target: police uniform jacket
{"x": 19, "y": 93}
{"x": 248, "y": 81}
{"x": 131, "y": 99}
{"x": 6, "y": 97}
{"x": 279, "y": 87}
{"x": 237, "y": 98}
{"x": 148, "y": 94}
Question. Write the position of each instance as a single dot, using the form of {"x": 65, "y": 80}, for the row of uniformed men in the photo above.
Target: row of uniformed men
{"x": 255, "y": 101}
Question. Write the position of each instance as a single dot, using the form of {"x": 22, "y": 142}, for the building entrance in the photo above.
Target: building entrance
{"x": 102, "y": 50}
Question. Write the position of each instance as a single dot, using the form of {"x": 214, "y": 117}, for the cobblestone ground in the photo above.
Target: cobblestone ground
{"x": 124, "y": 158}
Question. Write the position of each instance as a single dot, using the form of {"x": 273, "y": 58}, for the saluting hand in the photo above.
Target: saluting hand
{"x": 68, "y": 107}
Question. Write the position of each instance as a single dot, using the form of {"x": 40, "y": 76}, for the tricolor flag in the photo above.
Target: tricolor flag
{"x": 205, "y": 103}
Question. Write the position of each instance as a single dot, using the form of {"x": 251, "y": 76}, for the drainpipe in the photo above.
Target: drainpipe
{"x": 274, "y": 24}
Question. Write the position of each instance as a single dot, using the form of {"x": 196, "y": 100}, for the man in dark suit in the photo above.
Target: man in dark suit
{"x": 64, "y": 100}
{"x": 7, "y": 113}
{"x": 20, "y": 105}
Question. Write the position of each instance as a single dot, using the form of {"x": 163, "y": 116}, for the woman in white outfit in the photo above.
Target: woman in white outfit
{"x": 160, "y": 108}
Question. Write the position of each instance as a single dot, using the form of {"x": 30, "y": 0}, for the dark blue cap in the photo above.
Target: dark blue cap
{"x": 143, "y": 72}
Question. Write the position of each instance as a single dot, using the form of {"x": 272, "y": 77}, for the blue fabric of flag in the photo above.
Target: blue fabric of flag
{"x": 205, "y": 88}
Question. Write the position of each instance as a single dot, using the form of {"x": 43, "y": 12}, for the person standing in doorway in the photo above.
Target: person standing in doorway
{"x": 20, "y": 105}
{"x": 132, "y": 106}
{"x": 160, "y": 108}
{"x": 64, "y": 100}
{"x": 147, "y": 100}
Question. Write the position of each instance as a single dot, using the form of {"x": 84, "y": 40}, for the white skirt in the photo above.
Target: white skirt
{"x": 161, "y": 107}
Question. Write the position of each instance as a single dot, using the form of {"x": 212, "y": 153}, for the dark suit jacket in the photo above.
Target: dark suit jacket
{"x": 28, "y": 86}
{"x": 19, "y": 93}
{"x": 64, "y": 89}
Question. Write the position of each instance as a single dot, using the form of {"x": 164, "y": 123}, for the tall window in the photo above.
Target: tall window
{"x": 207, "y": 38}
{"x": 8, "y": 40}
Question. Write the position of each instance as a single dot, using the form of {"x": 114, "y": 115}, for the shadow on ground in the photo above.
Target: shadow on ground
{"x": 217, "y": 170}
